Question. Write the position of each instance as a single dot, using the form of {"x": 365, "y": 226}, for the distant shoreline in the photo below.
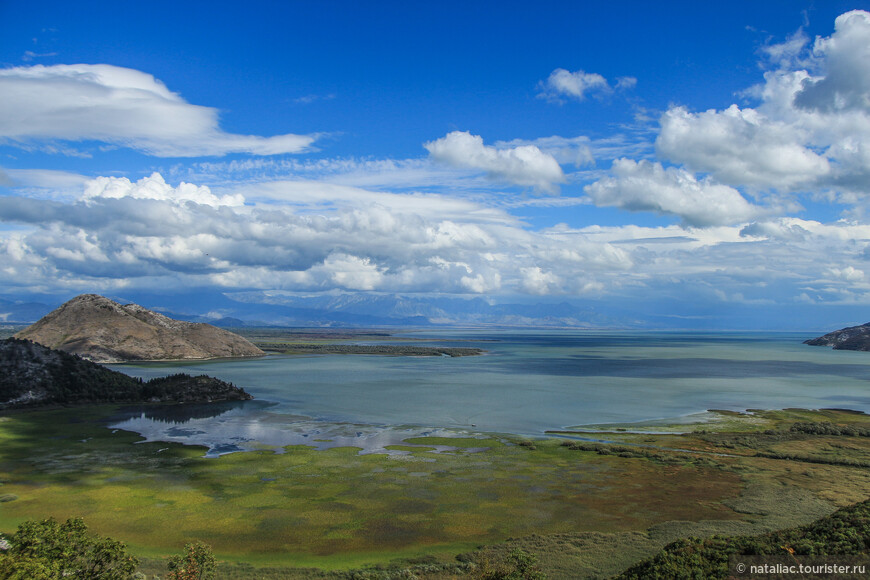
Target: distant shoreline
{"x": 380, "y": 349}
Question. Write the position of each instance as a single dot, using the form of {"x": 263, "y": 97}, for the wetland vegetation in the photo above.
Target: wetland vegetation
{"x": 309, "y": 341}
{"x": 582, "y": 508}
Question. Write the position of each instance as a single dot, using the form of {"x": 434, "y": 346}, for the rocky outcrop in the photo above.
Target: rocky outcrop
{"x": 101, "y": 330}
{"x": 32, "y": 375}
{"x": 851, "y": 338}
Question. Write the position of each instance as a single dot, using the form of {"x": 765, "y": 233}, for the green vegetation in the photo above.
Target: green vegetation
{"x": 583, "y": 509}
{"x": 32, "y": 375}
{"x": 845, "y": 532}
{"x": 196, "y": 564}
{"x": 517, "y": 565}
{"x": 49, "y": 550}
{"x": 313, "y": 341}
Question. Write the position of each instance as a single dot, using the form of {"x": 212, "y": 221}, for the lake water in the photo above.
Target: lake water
{"x": 528, "y": 382}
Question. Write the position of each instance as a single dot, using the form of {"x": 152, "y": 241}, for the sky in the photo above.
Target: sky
{"x": 678, "y": 158}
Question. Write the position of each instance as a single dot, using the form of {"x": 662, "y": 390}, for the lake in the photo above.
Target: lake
{"x": 528, "y": 382}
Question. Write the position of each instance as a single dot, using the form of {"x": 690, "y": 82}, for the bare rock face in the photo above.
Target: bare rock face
{"x": 101, "y": 330}
{"x": 851, "y": 338}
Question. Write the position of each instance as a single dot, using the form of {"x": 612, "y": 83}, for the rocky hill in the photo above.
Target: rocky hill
{"x": 851, "y": 338}
{"x": 101, "y": 330}
{"x": 32, "y": 375}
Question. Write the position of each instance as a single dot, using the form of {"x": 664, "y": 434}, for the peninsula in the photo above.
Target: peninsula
{"x": 851, "y": 338}
{"x": 32, "y": 375}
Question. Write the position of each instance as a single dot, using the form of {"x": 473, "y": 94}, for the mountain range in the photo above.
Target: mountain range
{"x": 369, "y": 309}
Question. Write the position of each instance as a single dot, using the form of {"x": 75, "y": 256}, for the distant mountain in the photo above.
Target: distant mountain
{"x": 362, "y": 309}
{"x": 19, "y": 311}
{"x": 851, "y": 338}
{"x": 32, "y": 375}
{"x": 102, "y": 330}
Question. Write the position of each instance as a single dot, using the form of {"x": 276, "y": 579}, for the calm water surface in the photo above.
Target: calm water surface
{"x": 527, "y": 382}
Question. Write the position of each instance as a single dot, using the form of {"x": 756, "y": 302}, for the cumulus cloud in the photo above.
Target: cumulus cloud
{"x": 647, "y": 186}
{"x": 523, "y": 165}
{"x": 741, "y": 147}
{"x": 843, "y": 57}
{"x": 155, "y": 187}
{"x": 578, "y": 84}
{"x": 120, "y": 106}
{"x": 150, "y": 232}
{"x": 810, "y": 131}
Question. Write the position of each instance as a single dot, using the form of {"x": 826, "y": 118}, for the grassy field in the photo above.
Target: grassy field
{"x": 585, "y": 509}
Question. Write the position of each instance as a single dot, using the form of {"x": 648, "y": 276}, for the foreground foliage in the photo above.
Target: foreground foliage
{"x": 845, "y": 532}
{"x": 49, "y": 550}
{"x": 196, "y": 564}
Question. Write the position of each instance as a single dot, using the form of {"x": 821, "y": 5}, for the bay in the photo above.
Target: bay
{"x": 528, "y": 382}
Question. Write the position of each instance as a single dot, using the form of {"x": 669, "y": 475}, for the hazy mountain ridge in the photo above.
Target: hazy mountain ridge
{"x": 401, "y": 310}
{"x": 101, "y": 330}
{"x": 21, "y": 311}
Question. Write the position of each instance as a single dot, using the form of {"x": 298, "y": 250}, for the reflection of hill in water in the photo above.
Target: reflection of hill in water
{"x": 186, "y": 412}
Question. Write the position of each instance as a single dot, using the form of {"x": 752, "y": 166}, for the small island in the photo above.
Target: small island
{"x": 377, "y": 349}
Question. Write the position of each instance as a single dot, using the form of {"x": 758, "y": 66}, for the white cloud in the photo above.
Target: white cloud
{"x": 537, "y": 281}
{"x": 741, "y": 148}
{"x": 578, "y": 84}
{"x": 522, "y": 165}
{"x": 154, "y": 187}
{"x": 44, "y": 179}
{"x": 843, "y": 57}
{"x": 810, "y": 131}
{"x": 297, "y": 236}
{"x": 120, "y": 106}
{"x": 158, "y": 235}
{"x": 576, "y": 151}
{"x": 352, "y": 272}
{"x": 787, "y": 54}
{"x": 647, "y": 186}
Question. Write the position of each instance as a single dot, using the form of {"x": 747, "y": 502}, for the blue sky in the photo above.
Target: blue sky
{"x": 688, "y": 156}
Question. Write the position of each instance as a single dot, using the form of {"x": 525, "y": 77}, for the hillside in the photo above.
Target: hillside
{"x": 851, "y": 338}
{"x": 32, "y": 375}
{"x": 101, "y": 330}
{"x": 844, "y": 533}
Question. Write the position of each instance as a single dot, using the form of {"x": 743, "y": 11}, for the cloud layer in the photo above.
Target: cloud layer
{"x": 727, "y": 186}
{"x": 121, "y": 106}
{"x": 301, "y": 236}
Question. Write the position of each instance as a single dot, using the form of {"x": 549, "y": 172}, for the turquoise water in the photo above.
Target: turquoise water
{"x": 527, "y": 382}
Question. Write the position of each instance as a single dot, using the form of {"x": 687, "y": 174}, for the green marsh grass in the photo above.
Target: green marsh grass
{"x": 335, "y": 509}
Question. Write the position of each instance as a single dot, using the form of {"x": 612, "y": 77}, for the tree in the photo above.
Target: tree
{"x": 519, "y": 565}
{"x": 49, "y": 550}
{"x": 197, "y": 563}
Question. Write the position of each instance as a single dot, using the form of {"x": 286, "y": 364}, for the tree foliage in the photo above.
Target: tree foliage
{"x": 197, "y": 563}
{"x": 50, "y": 550}
{"x": 517, "y": 565}
{"x": 845, "y": 532}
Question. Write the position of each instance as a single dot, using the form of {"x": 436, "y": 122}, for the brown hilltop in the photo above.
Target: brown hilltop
{"x": 102, "y": 330}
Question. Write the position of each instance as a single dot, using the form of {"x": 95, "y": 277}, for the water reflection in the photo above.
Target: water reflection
{"x": 183, "y": 413}
{"x": 250, "y": 425}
